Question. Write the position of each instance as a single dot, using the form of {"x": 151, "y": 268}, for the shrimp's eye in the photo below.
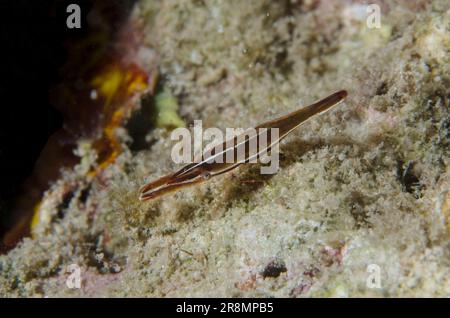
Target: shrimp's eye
{"x": 206, "y": 175}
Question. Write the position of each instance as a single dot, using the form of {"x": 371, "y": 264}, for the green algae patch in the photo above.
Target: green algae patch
{"x": 166, "y": 111}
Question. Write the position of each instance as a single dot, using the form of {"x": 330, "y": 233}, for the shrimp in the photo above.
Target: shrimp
{"x": 202, "y": 170}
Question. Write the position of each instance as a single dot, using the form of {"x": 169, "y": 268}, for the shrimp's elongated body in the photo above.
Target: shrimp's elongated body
{"x": 205, "y": 169}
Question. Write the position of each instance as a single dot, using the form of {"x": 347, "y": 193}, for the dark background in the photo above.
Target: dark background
{"x": 31, "y": 37}
{"x": 35, "y": 45}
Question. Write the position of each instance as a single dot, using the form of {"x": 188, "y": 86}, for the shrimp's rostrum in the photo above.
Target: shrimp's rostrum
{"x": 198, "y": 172}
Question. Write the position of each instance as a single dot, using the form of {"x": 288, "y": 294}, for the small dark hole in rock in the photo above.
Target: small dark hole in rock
{"x": 274, "y": 268}
{"x": 410, "y": 182}
{"x": 382, "y": 89}
{"x": 140, "y": 124}
{"x": 84, "y": 195}
{"x": 62, "y": 207}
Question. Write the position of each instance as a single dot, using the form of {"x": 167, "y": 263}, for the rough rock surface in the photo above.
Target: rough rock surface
{"x": 360, "y": 189}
